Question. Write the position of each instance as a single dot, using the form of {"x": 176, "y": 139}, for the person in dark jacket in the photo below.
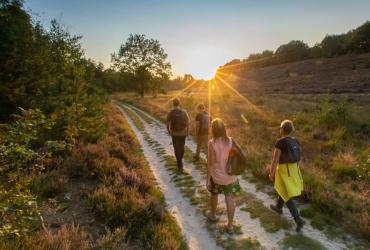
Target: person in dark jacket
{"x": 202, "y": 124}
{"x": 178, "y": 128}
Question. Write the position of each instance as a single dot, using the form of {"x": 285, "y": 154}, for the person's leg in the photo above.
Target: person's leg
{"x": 204, "y": 144}
{"x": 295, "y": 214}
{"x": 199, "y": 144}
{"x": 182, "y": 140}
{"x": 230, "y": 207}
{"x": 279, "y": 205}
{"x": 214, "y": 202}
{"x": 176, "y": 146}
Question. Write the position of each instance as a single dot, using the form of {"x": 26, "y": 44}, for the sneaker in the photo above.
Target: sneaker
{"x": 276, "y": 209}
{"x": 300, "y": 223}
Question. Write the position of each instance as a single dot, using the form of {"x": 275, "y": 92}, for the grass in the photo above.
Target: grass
{"x": 299, "y": 241}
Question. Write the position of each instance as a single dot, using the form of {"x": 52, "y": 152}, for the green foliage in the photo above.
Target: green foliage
{"x": 19, "y": 213}
{"x": 333, "y": 45}
{"x": 50, "y": 74}
{"x": 292, "y": 51}
{"x": 300, "y": 241}
{"x": 334, "y": 114}
{"x": 356, "y": 41}
{"x": 360, "y": 38}
{"x": 22, "y": 145}
{"x": 145, "y": 60}
{"x": 45, "y": 76}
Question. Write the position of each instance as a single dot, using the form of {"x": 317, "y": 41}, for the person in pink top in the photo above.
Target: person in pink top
{"x": 218, "y": 181}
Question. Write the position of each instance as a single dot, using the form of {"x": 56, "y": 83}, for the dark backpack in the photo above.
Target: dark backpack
{"x": 293, "y": 150}
{"x": 236, "y": 162}
{"x": 179, "y": 120}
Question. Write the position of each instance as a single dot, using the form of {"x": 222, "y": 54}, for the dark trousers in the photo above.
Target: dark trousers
{"x": 179, "y": 147}
{"x": 291, "y": 206}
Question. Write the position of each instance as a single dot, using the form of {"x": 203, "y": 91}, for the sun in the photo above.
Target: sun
{"x": 211, "y": 75}
{"x": 206, "y": 74}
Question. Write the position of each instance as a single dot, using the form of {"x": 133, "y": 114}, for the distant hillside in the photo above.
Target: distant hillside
{"x": 344, "y": 74}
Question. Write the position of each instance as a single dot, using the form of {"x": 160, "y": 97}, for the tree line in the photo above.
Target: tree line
{"x": 51, "y": 95}
{"x": 354, "y": 41}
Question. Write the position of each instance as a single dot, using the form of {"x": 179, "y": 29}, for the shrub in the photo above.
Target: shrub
{"x": 345, "y": 165}
{"x": 163, "y": 239}
{"x": 334, "y": 114}
{"x": 66, "y": 238}
{"x": 19, "y": 213}
{"x": 102, "y": 201}
{"x": 50, "y": 184}
{"x": 113, "y": 240}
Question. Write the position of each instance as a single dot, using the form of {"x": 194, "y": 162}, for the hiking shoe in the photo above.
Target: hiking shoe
{"x": 276, "y": 209}
{"x": 300, "y": 223}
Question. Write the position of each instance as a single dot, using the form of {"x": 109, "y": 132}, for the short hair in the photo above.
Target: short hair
{"x": 176, "y": 102}
{"x": 287, "y": 126}
{"x": 201, "y": 106}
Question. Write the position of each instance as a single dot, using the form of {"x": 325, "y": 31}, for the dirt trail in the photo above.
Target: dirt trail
{"x": 191, "y": 221}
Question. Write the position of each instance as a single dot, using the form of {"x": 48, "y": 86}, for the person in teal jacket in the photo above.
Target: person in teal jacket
{"x": 285, "y": 173}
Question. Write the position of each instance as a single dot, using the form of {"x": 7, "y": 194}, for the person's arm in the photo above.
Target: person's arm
{"x": 197, "y": 125}
{"x": 274, "y": 162}
{"x": 168, "y": 123}
{"x": 187, "y": 124}
{"x": 210, "y": 160}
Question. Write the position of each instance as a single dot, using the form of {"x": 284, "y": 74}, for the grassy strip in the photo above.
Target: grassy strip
{"x": 299, "y": 241}
{"x": 196, "y": 194}
{"x": 269, "y": 220}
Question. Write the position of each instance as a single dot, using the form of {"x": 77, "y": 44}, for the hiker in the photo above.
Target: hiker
{"x": 284, "y": 172}
{"x": 218, "y": 180}
{"x": 202, "y": 121}
{"x": 178, "y": 128}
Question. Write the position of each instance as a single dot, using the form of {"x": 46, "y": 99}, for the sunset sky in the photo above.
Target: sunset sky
{"x": 200, "y": 35}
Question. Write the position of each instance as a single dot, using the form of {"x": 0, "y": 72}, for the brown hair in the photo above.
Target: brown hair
{"x": 218, "y": 129}
{"x": 201, "y": 106}
{"x": 176, "y": 102}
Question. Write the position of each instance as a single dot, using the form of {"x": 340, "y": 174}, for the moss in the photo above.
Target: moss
{"x": 299, "y": 241}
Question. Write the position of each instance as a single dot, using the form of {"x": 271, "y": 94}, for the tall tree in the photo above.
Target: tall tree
{"x": 145, "y": 59}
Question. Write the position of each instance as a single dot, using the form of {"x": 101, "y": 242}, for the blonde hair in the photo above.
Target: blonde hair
{"x": 287, "y": 127}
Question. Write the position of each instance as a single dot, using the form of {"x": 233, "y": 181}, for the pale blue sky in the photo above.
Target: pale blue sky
{"x": 200, "y": 35}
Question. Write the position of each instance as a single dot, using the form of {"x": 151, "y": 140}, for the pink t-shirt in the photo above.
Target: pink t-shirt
{"x": 218, "y": 156}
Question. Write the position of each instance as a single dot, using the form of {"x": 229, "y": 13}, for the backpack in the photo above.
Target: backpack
{"x": 294, "y": 150}
{"x": 179, "y": 120}
{"x": 236, "y": 163}
{"x": 204, "y": 122}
